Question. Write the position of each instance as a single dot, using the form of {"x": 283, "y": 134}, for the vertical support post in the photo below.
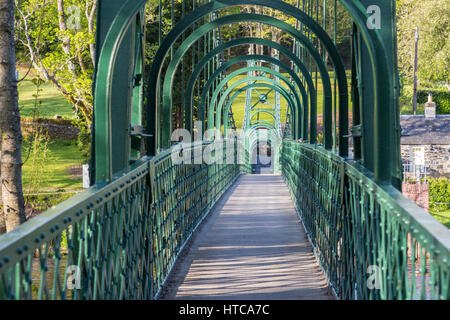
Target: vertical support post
{"x": 386, "y": 164}
{"x": 138, "y": 87}
{"x": 357, "y": 152}
{"x": 116, "y": 139}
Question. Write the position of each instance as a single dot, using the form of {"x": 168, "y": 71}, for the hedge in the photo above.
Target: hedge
{"x": 442, "y": 99}
{"x": 440, "y": 194}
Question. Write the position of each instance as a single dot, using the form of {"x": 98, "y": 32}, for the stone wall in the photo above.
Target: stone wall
{"x": 59, "y": 129}
{"x": 419, "y": 193}
{"x": 437, "y": 157}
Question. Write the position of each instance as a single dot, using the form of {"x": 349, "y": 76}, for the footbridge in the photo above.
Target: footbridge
{"x": 298, "y": 196}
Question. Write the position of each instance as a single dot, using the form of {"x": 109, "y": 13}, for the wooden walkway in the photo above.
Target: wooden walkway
{"x": 251, "y": 247}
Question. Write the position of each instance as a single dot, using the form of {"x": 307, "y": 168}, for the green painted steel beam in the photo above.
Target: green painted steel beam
{"x": 384, "y": 91}
{"x": 295, "y": 105}
{"x": 184, "y": 47}
{"x": 207, "y": 8}
{"x": 224, "y": 82}
{"x": 272, "y": 85}
{"x": 106, "y": 87}
{"x": 245, "y": 88}
{"x": 270, "y": 113}
{"x": 388, "y": 34}
{"x": 302, "y": 122}
{"x": 235, "y": 42}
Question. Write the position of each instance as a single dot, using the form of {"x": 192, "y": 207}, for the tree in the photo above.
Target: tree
{"x": 433, "y": 19}
{"x": 11, "y": 135}
{"x": 59, "y": 38}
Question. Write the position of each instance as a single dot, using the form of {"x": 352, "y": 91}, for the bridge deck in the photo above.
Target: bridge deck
{"x": 251, "y": 247}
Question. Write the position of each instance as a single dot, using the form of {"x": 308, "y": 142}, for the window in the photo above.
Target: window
{"x": 417, "y": 155}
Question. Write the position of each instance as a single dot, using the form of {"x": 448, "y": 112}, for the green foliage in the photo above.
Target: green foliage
{"x": 58, "y": 175}
{"x": 84, "y": 145}
{"x": 41, "y": 203}
{"x": 442, "y": 216}
{"x": 442, "y": 99}
{"x": 433, "y": 19}
{"x": 440, "y": 194}
{"x": 61, "y": 53}
{"x": 38, "y": 152}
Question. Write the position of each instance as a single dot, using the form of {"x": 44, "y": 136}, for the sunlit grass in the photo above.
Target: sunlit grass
{"x": 442, "y": 216}
{"x": 53, "y": 102}
{"x": 63, "y": 155}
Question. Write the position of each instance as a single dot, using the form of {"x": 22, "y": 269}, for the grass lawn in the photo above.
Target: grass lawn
{"x": 56, "y": 172}
{"x": 53, "y": 103}
{"x": 56, "y": 176}
{"x": 443, "y": 217}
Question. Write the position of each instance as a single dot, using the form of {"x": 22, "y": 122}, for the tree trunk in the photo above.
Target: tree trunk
{"x": 11, "y": 159}
{"x": 91, "y": 22}
{"x": 2, "y": 216}
{"x": 65, "y": 40}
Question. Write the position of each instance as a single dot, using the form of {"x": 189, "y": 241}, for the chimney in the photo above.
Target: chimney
{"x": 430, "y": 108}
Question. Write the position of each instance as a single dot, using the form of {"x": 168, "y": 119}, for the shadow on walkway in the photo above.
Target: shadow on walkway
{"x": 251, "y": 247}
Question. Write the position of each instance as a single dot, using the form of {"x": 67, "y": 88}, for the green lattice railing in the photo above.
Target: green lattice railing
{"x": 125, "y": 236}
{"x": 121, "y": 239}
{"x": 372, "y": 242}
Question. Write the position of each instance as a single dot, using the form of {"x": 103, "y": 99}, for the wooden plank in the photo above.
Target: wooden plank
{"x": 251, "y": 247}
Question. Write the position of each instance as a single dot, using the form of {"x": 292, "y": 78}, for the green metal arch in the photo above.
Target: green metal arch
{"x": 295, "y": 106}
{"x": 242, "y": 70}
{"x": 103, "y": 87}
{"x": 183, "y": 48}
{"x": 262, "y": 111}
{"x": 237, "y": 93}
{"x": 383, "y": 84}
{"x": 251, "y": 132}
{"x": 384, "y": 92}
{"x": 240, "y": 41}
{"x": 251, "y": 136}
{"x": 297, "y": 80}
{"x": 260, "y": 122}
{"x": 273, "y": 85}
{"x": 278, "y": 88}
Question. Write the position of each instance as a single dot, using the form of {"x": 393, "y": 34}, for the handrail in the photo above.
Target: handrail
{"x": 364, "y": 232}
{"x": 120, "y": 239}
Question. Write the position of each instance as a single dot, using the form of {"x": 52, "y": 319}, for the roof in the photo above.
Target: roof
{"x": 420, "y": 130}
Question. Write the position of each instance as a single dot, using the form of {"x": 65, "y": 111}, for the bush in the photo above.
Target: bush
{"x": 442, "y": 99}
{"x": 42, "y": 203}
{"x": 440, "y": 194}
